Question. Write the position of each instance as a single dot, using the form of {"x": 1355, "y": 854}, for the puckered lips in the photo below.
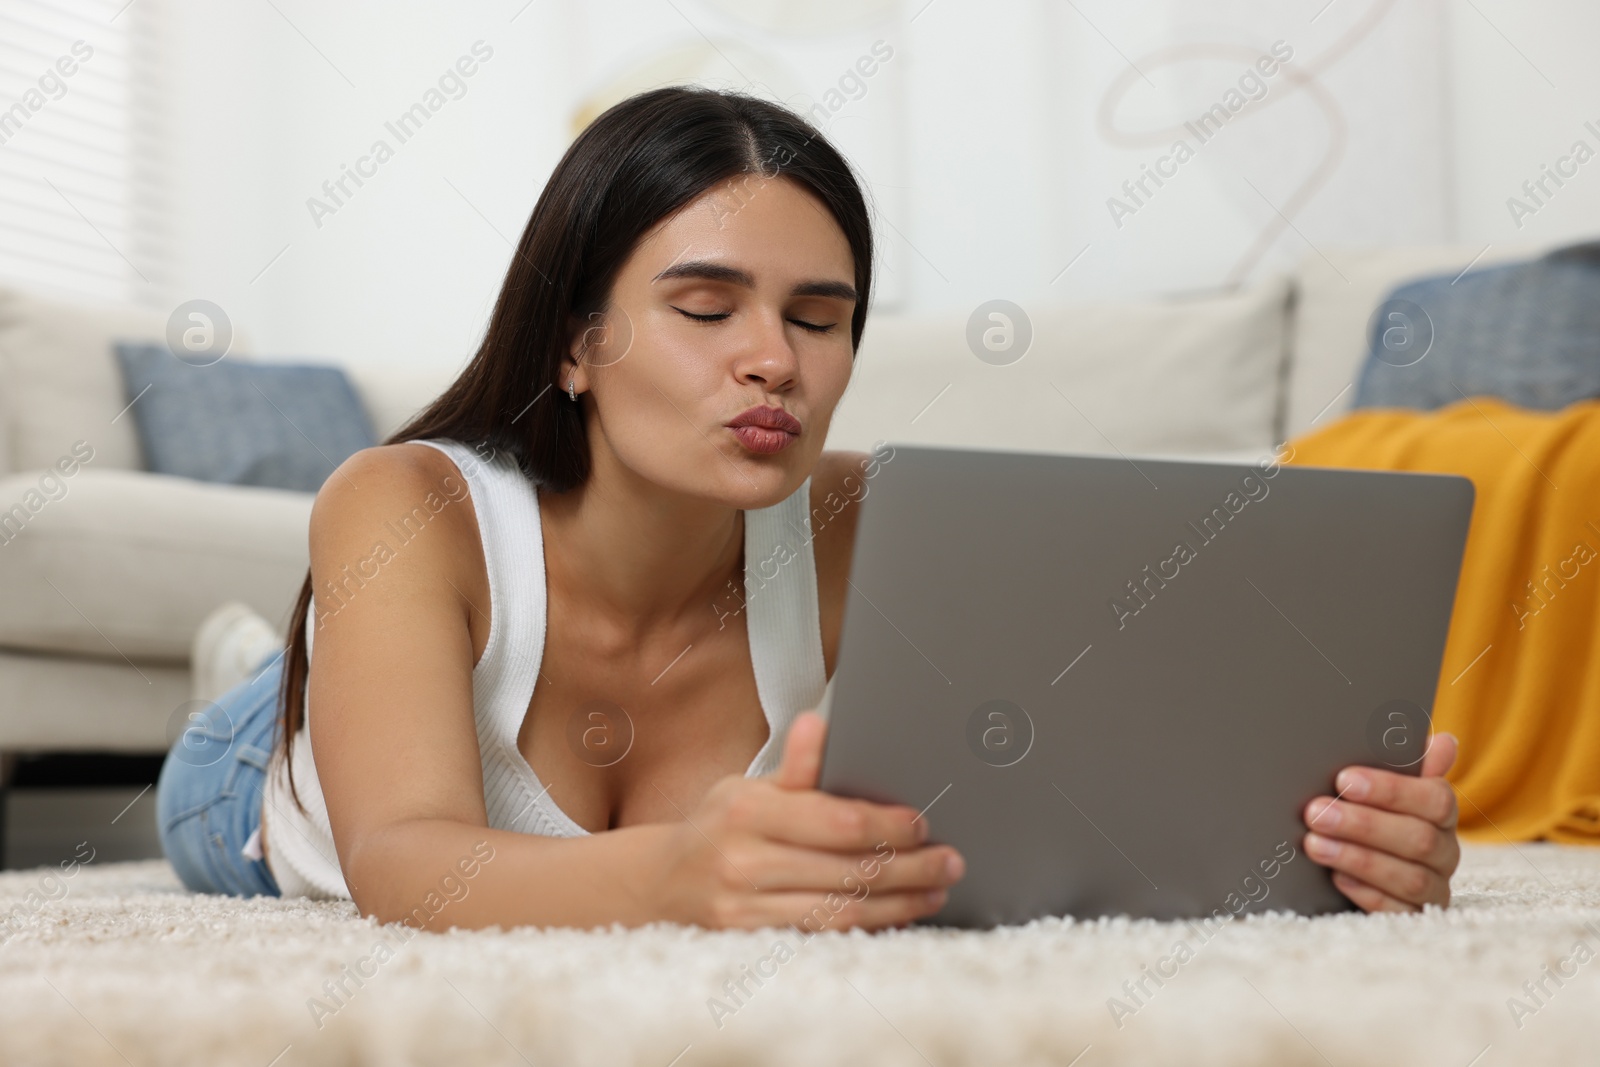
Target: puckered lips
{"x": 765, "y": 430}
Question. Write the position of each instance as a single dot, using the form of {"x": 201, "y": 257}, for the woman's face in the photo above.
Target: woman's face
{"x": 770, "y": 276}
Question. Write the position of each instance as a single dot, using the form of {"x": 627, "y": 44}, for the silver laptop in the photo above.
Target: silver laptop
{"x": 1113, "y": 683}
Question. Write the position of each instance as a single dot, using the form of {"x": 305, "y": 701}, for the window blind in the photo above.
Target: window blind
{"x": 80, "y": 129}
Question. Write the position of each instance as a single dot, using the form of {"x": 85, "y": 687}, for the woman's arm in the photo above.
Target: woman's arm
{"x": 1390, "y": 838}
{"x": 397, "y": 757}
{"x": 757, "y": 852}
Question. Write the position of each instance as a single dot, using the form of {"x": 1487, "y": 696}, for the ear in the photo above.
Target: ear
{"x": 599, "y": 339}
{"x": 583, "y": 337}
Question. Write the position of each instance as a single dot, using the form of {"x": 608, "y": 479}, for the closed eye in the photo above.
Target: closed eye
{"x": 813, "y": 327}
{"x": 702, "y": 318}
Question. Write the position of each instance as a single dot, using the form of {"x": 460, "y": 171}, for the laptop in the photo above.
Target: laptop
{"x": 1112, "y": 683}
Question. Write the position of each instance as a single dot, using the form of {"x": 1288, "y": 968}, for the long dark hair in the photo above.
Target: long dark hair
{"x": 637, "y": 163}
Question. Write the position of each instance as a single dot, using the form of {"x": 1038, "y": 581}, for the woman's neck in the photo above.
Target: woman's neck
{"x": 645, "y": 555}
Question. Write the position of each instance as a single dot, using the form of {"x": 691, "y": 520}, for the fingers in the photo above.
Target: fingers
{"x": 778, "y": 867}
{"x": 1405, "y": 836}
{"x": 1389, "y": 837}
{"x": 1408, "y": 882}
{"x": 793, "y": 855}
{"x": 802, "y": 752}
{"x": 813, "y": 819}
{"x": 1441, "y": 755}
{"x": 874, "y": 911}
{"x": 1366, "y": 897}
{"x": 813, "y": 912}
{"x": 1429, "y": 798}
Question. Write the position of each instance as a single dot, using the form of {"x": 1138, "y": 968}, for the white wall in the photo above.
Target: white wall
{"x": 982, "y": 149}
{"x": 1524, "y": 82}
{"x": 405, "y": 269}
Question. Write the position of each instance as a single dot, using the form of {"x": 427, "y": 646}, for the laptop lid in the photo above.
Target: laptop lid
{"x": 1115, "y": 682}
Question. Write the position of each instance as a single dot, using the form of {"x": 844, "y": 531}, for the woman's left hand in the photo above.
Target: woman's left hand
{"x": 1389, "y": 837}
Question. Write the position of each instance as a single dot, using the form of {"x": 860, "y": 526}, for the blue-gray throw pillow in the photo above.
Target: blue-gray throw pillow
{"x": 1527, "y": 332}
{"x": 280, "y": 425}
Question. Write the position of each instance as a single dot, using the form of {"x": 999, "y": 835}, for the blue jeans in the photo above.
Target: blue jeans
{"x": 209, "y": 795}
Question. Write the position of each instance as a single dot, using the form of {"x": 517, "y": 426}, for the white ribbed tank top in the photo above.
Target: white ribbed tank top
{"x": 782, "y": 620}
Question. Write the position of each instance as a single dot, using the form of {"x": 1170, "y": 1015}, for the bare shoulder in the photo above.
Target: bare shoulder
{"x": 404, "y": 509}
{"x": 386, "y": 484}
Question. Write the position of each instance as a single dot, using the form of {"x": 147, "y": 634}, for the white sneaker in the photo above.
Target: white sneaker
{"x": 228, "y": 648}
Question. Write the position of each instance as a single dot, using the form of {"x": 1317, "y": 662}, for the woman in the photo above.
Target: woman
{"x": 535, "y": 705}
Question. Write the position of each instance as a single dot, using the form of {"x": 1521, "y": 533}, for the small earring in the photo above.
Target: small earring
{"x": 572, "y": 392}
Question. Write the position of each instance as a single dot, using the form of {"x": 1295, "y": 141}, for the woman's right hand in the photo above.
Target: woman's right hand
{"x": 777, "y": 851}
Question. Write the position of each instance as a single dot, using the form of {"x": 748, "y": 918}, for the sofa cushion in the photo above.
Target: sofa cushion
{"x": 279, "y": 425}
{"x": 65, "y": 703}
{"x": 58, "y": 382}
{"x": 1190, "y": 375}
{"x": 1336, "y": 292}
{"x": 114, "y": 564}
{"x": 1526, "y": 332}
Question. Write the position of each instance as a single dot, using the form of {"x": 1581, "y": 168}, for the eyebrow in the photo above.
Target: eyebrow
{"x": 721, "y": 272}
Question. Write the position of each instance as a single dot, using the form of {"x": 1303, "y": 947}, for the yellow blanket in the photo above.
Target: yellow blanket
{"x": 1520, "y": 683}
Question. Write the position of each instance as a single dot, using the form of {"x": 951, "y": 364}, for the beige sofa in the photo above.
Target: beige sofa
{"x": 106, "y": 572}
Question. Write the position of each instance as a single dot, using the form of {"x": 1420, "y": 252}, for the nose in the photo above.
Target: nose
{"x": 767, "y": 358}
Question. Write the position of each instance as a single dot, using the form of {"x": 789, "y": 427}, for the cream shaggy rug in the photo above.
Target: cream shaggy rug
{"x": 119, "y": 965}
